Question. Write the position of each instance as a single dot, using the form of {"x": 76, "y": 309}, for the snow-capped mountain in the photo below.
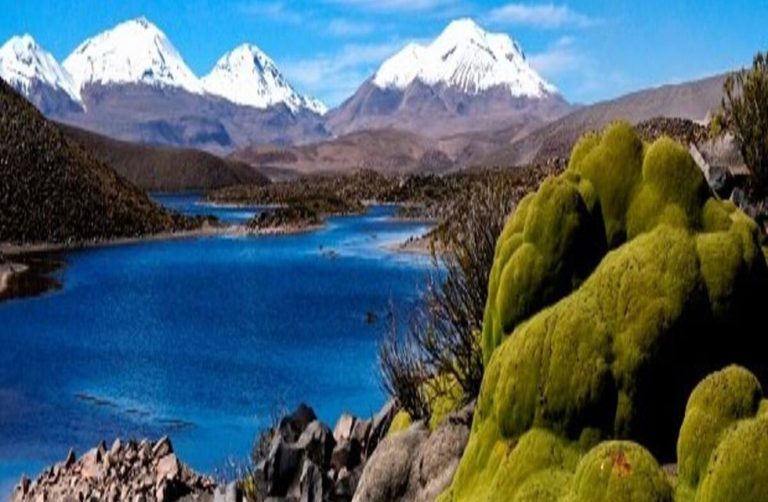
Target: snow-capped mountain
{"x": 36, "y": 74}
{"x": 132, "y": 52}
{"x": 247, "y": 76}
{"x": 466, "y": 79}
{"x": 467, "y": 58}
{"x": 131, "y": 83}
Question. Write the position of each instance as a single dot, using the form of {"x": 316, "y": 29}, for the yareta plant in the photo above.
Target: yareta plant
{"x": 616, "y": 288}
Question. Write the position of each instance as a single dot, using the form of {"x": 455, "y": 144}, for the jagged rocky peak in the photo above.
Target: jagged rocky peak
{"x": 133, "y": 52}
{"x": 26, "y": 66}
{"x": 247, "y": 76}
{"x": 468, "y": 58}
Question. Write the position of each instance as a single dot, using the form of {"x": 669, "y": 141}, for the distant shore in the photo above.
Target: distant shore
{"x": 45, "y": 247}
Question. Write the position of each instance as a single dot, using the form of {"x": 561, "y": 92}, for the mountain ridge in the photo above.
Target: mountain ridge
{"x": 467, "y": 79}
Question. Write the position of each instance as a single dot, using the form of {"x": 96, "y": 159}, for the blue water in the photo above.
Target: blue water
{"x": 202, "y": 339}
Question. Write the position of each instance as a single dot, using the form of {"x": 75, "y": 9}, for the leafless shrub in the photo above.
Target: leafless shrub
{"x": 443, "y": 337}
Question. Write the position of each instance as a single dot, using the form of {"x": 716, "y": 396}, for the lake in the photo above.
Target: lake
{"x": 202, "y": 339}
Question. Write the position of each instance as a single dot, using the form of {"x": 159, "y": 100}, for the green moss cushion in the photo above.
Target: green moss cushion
{"x": 723, "y": 443}
{"x": 619, "y": 471}
{"x": 615, "y": 289}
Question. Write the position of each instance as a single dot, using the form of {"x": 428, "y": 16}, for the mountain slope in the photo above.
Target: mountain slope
{"x": 36, "y": 74}
{"x": 162, "y": 168}
{"x": 691, "y": 100}
{"x": 174, "y": 117}
{"x": 247, "y": 76}
{"x": 134, "y": 51}
{"x": 53, "y": 191}
{"x": 465, "y": 80}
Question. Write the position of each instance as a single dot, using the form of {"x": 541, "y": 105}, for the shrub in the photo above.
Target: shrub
{"x": 745, "y": 114}
{"x": 436, "y": 365}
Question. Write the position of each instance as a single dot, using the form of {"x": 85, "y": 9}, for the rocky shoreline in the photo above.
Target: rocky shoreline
{"x": 130, "y": 470}
{"x": 299, "y": 459}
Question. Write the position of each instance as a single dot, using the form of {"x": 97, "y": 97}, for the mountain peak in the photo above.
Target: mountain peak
{"x": 246, "y": 75}
{"x": 134, "y": 51}
{"x": 23, "y": 63}
{"x": 466, "y": 57}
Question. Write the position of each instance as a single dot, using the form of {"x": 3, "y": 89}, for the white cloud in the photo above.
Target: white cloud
{"x": 559, "y": 58}
{"x": 346, "y": 28}
{"x": 394, "y": 5}
{"x": 333, "y": 77}
{"x": 539, "y": 15}
{"x": 275, "y": 11}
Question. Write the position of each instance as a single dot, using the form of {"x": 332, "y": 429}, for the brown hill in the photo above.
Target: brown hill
{"x": 51, "y": 190}
{"x": 386, "y": 150}
{"x": 691, "y": 100}
{"x": 168, "y": 169}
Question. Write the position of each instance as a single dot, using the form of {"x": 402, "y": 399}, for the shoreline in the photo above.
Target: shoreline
{"x": 206, "y": 230}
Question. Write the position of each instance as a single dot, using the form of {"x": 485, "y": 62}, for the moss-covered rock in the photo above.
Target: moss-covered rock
{"x": 723, "y": 445}
{"x": 619, "y": 471}
{"x": 615, "y": 289}
{"x": 719, "y": 401}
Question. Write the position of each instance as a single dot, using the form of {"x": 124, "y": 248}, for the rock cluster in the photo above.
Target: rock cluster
{"x": 682, "y": 130}
{"x": 302, "y": 459}
{"x": 136, "y": 471}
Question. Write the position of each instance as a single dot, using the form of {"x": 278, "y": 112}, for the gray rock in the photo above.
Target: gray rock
{"x": 317, "y": 442}
{"x": 311, "y": 483}
{"x": 386, "y": 474}
{"x": 380, "y": 425}
{"x": 415, "y": 465}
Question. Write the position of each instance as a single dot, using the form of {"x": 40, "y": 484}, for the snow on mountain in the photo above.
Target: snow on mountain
{"x": 23, "y": 64}
{"x": 134, "y": 51}
{"x": 468, "y": 58}
{"x": 247, "y": 76}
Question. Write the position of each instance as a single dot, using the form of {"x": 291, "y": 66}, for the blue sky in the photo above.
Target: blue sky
{"x": 591, "y": 49}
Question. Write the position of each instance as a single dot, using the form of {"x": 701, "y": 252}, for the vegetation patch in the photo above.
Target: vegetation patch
{"x": 615, "y": 288}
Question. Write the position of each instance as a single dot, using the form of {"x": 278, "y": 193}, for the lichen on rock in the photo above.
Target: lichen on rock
{"x": 615, "y": 288}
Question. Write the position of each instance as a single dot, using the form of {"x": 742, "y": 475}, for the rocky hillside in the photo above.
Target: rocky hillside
{"x": 51, "y": 190}
{"x": 165, "y": 169}
{"x": 691, "y": 100}
{"x": 388, "y": 151}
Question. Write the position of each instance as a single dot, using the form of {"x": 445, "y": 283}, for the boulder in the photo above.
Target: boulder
{"x": 386, "y": 475}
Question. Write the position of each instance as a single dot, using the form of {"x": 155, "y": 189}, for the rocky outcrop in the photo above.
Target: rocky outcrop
{"x": 302, "y": 459}
{"x": 415, "y": 465}
{"x": 126, "y": 471}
